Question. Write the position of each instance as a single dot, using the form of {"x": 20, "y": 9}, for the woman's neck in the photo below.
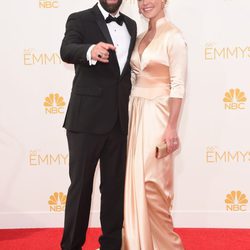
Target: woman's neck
{"x": 153, "y": 21}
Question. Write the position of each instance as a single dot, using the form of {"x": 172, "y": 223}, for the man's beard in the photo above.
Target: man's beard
{"x": 111, "y": 8}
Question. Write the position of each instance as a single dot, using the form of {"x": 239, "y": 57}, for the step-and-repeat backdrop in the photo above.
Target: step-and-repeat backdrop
{"x": 212, "y": 169}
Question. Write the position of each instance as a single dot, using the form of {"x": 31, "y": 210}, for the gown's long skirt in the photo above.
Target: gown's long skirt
{"x": 149, "y": 181}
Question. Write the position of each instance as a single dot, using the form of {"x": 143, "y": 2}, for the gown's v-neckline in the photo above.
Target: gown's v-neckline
{"x": 158, "y": 22}
{"x": 139, "y": 43}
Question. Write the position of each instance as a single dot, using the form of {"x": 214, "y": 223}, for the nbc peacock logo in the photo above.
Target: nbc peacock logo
{"x": 54, "y": 104}
{"x": 236, "y": 201}
{"x": 234, "y": 99}
{"x": 57, "y": 202}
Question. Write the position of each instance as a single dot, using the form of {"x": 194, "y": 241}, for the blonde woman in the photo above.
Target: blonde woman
{"x": 159, "y": 66}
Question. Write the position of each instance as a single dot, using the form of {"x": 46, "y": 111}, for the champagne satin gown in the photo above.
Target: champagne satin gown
{"x": 159, "y": 74}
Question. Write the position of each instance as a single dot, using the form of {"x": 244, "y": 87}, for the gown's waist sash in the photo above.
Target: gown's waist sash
{"x": 144, "y": 91}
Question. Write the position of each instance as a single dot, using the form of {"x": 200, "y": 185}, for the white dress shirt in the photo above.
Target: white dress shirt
{"x": 120, "y": 37}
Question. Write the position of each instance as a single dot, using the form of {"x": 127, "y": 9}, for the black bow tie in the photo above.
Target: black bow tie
{"x": 118, "y": 19}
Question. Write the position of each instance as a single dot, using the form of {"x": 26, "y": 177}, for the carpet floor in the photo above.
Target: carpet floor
{"x": 193, "y": 239}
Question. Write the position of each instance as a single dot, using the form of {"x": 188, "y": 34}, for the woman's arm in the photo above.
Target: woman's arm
{"x": 177, "y": 51}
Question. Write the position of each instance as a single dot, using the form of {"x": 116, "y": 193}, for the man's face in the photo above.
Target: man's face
{"x": 111, "y": 6}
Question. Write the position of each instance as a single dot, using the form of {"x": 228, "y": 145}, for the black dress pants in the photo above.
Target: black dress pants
{"x": 84, "y": 152}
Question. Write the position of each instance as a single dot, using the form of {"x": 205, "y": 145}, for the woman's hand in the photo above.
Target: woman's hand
{"x": 171, "y": 138}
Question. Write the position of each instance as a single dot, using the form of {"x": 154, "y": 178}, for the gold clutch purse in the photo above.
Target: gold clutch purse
{"x": 161, "y": 150}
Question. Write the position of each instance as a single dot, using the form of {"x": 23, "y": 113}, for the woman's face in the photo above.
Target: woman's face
{"x": 151, "y": 8}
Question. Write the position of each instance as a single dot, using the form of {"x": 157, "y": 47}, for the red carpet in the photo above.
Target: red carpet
{"x": 193, "y": 239}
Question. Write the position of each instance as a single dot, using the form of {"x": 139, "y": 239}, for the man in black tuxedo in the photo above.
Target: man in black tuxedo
{"x": 100, "y": 46}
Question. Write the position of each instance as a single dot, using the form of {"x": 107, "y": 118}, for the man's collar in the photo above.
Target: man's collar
{"x": 105, "y": 13}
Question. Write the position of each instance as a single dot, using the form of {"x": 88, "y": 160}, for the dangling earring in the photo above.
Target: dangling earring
{"x": 139, "y": 11}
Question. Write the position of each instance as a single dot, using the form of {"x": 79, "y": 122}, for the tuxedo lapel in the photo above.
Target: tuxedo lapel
{"x": 104, "y": 29}
{"x": 102, "y": 24}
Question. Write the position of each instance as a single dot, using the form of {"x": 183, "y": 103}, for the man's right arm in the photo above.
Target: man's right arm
{"x": 73, "y": 50}
{"x": 89, "y": 56}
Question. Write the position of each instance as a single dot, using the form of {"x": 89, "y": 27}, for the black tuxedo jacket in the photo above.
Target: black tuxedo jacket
{"x": 100, "y": 93}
